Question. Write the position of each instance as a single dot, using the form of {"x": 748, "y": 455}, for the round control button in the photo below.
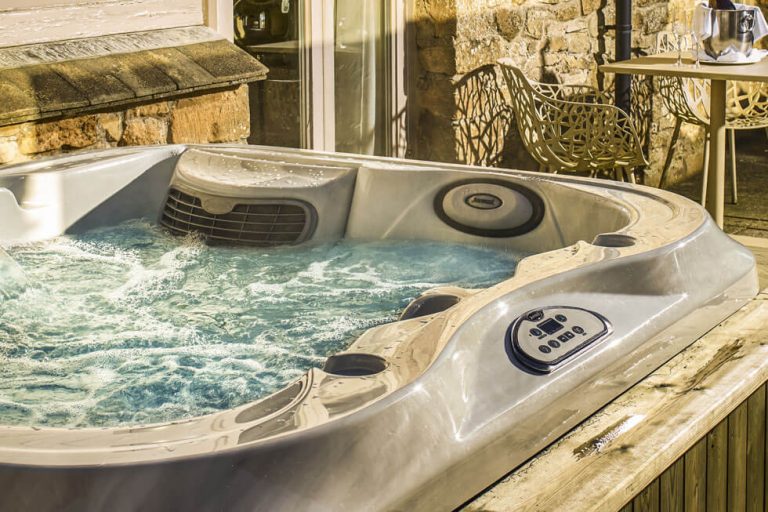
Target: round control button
{"x": 578, "y": 330}
{"x": 545, "y": 349}
{"x": 535, "y": 332}
{"x": 535, "y": 316}
{"x": 554, "y": 344}
{"x": 560, "y": 318}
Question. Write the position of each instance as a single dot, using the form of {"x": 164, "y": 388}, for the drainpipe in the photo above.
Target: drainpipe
{"x": 623, "y": 52}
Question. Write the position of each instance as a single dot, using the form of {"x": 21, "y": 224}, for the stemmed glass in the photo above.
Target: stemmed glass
{"x": 680, "y": 31}
{"x": 690, "y": 21}
{"x": 696, "y": 38}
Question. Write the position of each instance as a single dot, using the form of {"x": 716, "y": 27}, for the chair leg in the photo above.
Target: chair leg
{"x": 617, "y": 174}
{"x": 670, "y": 152}
{"x": 706, "y": 171}
{"x": 733, "y": 166}
{"x": 631, "y": 174}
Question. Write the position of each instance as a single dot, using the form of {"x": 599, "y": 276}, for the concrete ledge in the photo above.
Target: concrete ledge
{"x": 64, "y": 81}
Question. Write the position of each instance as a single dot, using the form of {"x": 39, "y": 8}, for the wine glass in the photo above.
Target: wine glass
{"x": 693, "y": 31}
{"x": 679, "y": 29}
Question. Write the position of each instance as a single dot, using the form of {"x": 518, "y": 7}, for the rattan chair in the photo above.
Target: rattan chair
{"x": 571, "y": 128}
{"x": 688, "y": 100}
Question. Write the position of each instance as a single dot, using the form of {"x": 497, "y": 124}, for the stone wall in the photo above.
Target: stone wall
{"x": 221, "y": 116}
{"x": 551, "y": 40}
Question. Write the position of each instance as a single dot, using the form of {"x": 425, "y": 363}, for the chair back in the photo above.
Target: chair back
{"x": 522, "y": 98}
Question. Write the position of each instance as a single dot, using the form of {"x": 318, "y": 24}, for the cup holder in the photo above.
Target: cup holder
{"x": 429, "y": 305}
{"x": 354, "y": 365}
{"x": 614, "y": 240}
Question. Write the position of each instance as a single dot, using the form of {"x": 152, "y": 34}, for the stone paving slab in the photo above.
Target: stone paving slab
{"x": 93, "y": 80}
{"x": 749, "y": 216}
{"x": 41, "y": 86}
{"x": 221, "y": 62}
{"x": 138, "y": 71}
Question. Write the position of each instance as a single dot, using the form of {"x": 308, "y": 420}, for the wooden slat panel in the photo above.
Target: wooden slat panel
{"x": 648, "y": 499}
{"x": 756, "y": 451}
{"x": 627, "y": 508}
{"x": 671, "y": 489}
{"x": 696, "y": 477}
{"x": 765, "y": 467}
{"x": 717, "y": 468}
{"x": 737, "y": 459}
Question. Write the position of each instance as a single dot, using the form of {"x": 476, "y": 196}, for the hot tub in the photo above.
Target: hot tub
{"x": 421, "y": 413}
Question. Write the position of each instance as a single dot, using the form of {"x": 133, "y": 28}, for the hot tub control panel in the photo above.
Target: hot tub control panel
{"x": 541, "y": 339}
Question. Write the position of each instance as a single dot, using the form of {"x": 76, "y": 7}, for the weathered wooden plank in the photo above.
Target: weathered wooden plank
{"x": 756, "y": 451}
{"x": 672, "y": 487}
{"x": 737, "y": 458}
{"x": 696, "y": 476}
{"x": 648, "y": 499}
{"x": 30, "y": 23}
{"x": 765, "y": 468}
{"x": 627, "y": 508}
{"x": 717, "y": 468}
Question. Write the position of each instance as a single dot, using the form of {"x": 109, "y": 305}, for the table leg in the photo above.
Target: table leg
{"x": 716, "y": 171}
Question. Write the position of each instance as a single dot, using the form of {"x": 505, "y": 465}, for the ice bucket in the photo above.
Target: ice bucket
{"x": 736, "y": 33}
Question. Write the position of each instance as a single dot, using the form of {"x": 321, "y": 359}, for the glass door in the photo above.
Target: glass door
{"x": 272, "y": 32}
{"x": 360, "y": 77}
{"x": 334, "y": 82}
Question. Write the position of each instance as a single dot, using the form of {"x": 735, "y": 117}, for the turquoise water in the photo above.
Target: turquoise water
{"x": 129, "y": 325}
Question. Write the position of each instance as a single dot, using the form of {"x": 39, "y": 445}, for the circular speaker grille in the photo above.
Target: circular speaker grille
{"x": 490, "y": 208}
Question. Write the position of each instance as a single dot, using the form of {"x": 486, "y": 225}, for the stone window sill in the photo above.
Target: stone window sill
{"x": 68, "y": 78}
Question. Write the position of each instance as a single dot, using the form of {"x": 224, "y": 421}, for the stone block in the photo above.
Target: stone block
{"x": 510, "y": 22}
{"x": 215, "y": 117}
{"x": 589, "y": 6}
{"x": 438, "y": 59}
{"x": 655, "y": 19}
{"x": 112, "y": 124}
{"x": 73, "y": 133}
{"x": 142, "y": 131}
{"x": 9, "y": 151}
{"x": 159, "y": 109}
{"x": 567, "y": 11}
{"x": 536, "y": 21}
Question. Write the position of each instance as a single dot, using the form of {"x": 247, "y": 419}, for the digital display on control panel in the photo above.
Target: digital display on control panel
{"x": 550, "y": 326}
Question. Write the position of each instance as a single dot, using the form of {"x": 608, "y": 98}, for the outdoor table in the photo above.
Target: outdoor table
{"x": 665, "y": 64}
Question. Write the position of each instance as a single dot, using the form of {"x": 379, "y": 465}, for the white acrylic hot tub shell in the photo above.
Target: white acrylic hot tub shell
{"x": 452, "y": 412}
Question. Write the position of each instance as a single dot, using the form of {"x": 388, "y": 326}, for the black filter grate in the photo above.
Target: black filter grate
{"x": 260, "y": 223}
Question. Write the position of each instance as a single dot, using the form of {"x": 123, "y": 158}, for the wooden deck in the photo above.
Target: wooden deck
{"x": 691, "y": 436}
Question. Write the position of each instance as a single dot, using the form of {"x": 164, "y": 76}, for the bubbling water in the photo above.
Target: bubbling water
{"x": 129, "y": 325}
